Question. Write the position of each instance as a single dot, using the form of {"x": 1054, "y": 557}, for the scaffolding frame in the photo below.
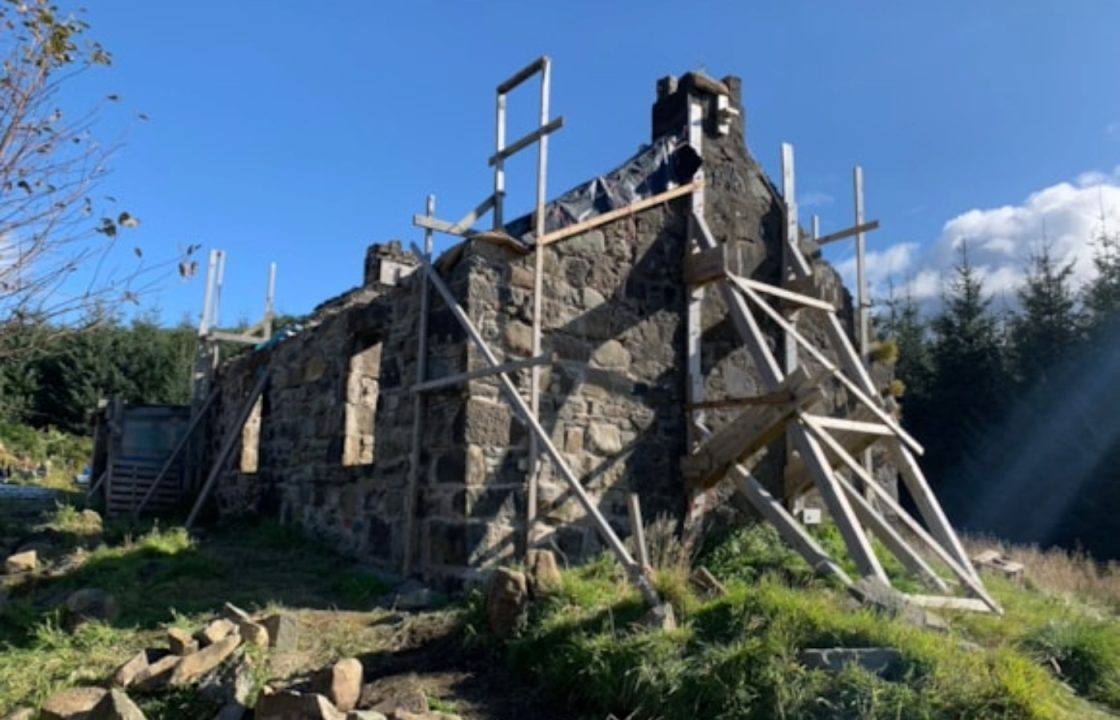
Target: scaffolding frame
{"x": 821, "y": 443}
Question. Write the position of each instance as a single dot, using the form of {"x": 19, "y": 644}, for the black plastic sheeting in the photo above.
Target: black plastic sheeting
{"x": 667, "y": 161}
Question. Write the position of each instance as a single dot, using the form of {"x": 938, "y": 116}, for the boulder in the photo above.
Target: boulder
{"x": 883, "y": 661}
{"x": 507, "y": 599}
{"x": 192, "y": 667}
{"x": 231, "y": 687}
{"x": 253, "y": 633}
{"x": 116, "y": 705}
{"x": 217, "y": 630}
{"x": 71, "y": 704}
{"x": 542, "y": 571}
{"x": 22, "y": 562}
{"x": 291, "y": 705}
{"x": 341, "y": 683}
{"x": 90, "y": 604}
{"x": 180, "y": 641}
{"x": 283, "y": 631}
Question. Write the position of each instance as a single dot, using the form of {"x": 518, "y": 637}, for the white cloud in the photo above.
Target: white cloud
{"x": 1067, "y": 215}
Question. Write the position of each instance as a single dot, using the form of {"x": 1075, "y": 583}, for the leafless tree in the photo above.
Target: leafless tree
{"x": 55, "y": 240}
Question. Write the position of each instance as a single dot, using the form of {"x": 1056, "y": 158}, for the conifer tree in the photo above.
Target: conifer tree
{"x": 1047, "y": 329}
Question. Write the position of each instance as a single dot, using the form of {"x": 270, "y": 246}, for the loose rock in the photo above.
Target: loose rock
{"x": 21, "y": 562}
{"x": 342, "y": 683}
{"x": 116, "y": 706}
{"x": 883, "y": 661}
{"x": 390, "y": 695}
{"x": 254, "y": 633}
{"x": 20, "y": 714}
{"x": 180, "y": 641}
{"x": 90, "y": 604}
{"x": 365, "y": 715}
{"x": 542, "y": 570}
{"x": 192, "y": 667}
{"x": 71, "y": 704}
{"x": 660, "y": 617}
{"x": 217, "y": 630}
{"x": 291, "y": 705}
{"x": 157, "y": 673}
{"x": 135, "y": 667}
{"x": 235, "y": 614}
{"x": 506, "y": 602}
{"x": 283, "y": 631}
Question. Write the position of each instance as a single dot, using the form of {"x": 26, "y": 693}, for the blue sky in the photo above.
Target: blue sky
{"x": 301, "y": 132}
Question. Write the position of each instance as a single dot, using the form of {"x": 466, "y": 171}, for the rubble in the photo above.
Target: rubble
{"x": 506, "y": 602}
{"x": 71, "y": 704}
{"x": 22, "y": 562}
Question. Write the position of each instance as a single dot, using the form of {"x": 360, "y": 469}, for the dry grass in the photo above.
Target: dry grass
{"x": 1056, "y": 570}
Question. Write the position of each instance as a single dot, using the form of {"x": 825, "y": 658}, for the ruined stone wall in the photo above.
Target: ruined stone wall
{"x": 336, "y": 419}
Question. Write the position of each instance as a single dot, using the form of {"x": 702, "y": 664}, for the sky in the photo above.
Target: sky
{"x": 302, "y": 132}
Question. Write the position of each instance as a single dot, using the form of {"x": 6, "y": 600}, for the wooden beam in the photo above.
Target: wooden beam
{"x": 460, "y": 378}
{"x": 634, "y": 509}
{"x": 778, "y": 397}
{"x": 938, "y": 602}
{"x": 522, "y": 75}
{"x": 717, "y": 263}
{"x": 522, "y": 409}
{"x": 196, "y": 418}
{"x": 526, "y": 141}
{"x": 846, "y": 425}
{"x": 232, "y": 438}
{"x": 441, "y": 226}
{"x": 848, "y": 232}
{"x": 797, "y": 479}
{"x": 939, "y": 549}
{"x": 747, "y": 434}
{"x": 243, "y": 338}
{"x": 788, "y": 527}
{"x": 464, "y": 225}
{"x": 582, "y": 227}
{"x": 831, "y": 367}
{"x": 901, "y": 549}
{"x": 784, "y": 294}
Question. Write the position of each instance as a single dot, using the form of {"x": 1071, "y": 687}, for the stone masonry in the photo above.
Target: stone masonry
{"x": 330, "y": 443}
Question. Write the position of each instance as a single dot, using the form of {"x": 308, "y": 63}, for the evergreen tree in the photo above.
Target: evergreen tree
{"x": 1102, "y": 295}
{"x": 903, "y": 323}
{"x": 968, "y": 380}
{"x": 1048, "y": 327}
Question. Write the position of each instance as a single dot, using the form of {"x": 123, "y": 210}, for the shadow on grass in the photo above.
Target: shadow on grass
{"x": 157, "y": 574}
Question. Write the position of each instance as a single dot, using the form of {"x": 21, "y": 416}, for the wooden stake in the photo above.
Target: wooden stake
{"x": 233, "y": 435}
{"x": 634, "y": 507}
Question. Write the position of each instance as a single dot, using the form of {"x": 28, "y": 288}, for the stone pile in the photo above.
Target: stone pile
{"x": 212, "y": 660}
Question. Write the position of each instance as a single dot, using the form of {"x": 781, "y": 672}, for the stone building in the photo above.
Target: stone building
{"x": 328, "y": 447}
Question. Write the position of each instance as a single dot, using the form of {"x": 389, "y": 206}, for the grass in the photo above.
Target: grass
{"x": 25, "y": 448}
{"x": 162, "y": 577}
{"x": 736, "y": 656}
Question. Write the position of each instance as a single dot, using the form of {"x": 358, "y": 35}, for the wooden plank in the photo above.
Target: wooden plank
{"x": 847, "y": 425}
{"x": 464, "y": 225}
{"x": 747, "y": 434}
{"x": 415, "y": 449}
{"x": 243, "y": 338}
{"x": 590, "y": 224}
{"x": 179, "y": 447}
{"x": 848, "y": 232}
{"x": 778, "y": 397}
{"x": 859, "y": 547}
{"x": 939, "y": 549}
{"x": 831, "y": 367}
{"x": 634, "y": 509}
{"x": 442, "y": 226}
{"x": 538, "y": 292}
{"x": 871, "y": 518}
{"x": 782, "y": 293}
{"x": 523, "y": 411}
{"x": 694, "y": 315}
{"x": 790, "y": 530}
{"x": 460, "y": 378}
{"x": 717, "y": 263}
{"x": 939, "y": 602}
{"x": 527, "y": 140}
{"x": 523, "y": 74}
{"x": 928, "y": 506}
{"x": 233, "y": 436}
{"x": 797, "y": 479}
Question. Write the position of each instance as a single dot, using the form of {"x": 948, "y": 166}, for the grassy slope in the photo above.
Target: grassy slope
{"x": 735, "y": 656}
{"x": 161, "y": 578}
